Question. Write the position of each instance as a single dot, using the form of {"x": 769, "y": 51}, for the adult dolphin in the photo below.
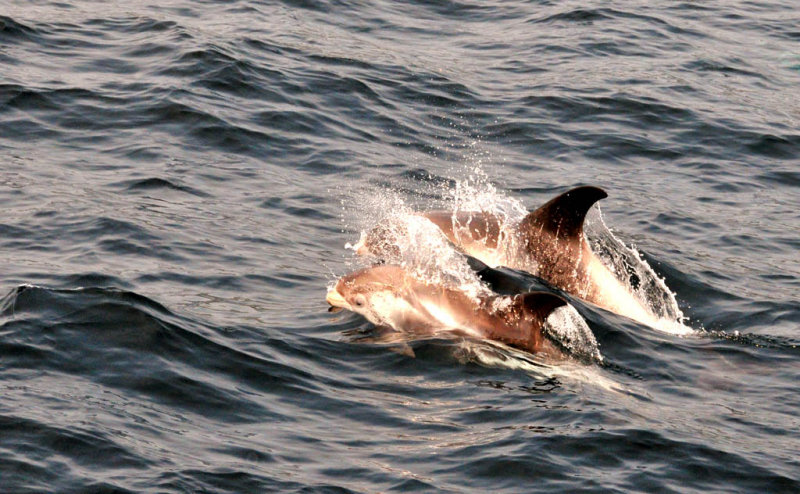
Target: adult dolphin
{"x": 549, "y": 243}
{"x": 387, "y": 295}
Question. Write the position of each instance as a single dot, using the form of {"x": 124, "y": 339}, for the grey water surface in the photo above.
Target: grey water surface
{"x": 178, "y": 179}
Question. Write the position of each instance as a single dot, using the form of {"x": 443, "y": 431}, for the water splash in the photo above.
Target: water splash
{"x": 636, "y": 275}
{"x": 566, "y": 326}
{"x": 476, "y": 193}
{"x": 420, "y": 247}
{"x": 474, "y": 196}
{"x": 401, "y": 236}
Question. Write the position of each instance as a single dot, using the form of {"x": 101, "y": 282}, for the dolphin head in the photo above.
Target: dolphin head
{"x": 372, "y": 292}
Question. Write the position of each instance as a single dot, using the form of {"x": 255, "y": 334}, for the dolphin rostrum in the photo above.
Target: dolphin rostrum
{"x": 388, "y": 296}
{"x": 548, "y": 242}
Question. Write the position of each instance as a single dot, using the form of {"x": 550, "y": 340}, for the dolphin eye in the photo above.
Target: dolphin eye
{"x": 360, "y": 300}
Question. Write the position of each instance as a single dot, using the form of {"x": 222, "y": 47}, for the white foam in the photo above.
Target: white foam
{"x": 566, "y": 326}
{"x": 476, "y": 193}
{"x": 652, "y": 291}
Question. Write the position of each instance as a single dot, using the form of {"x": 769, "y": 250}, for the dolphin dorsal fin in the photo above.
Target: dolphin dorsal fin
{"x": 531, "y": 310}
{"x": 539, "y": 305}
{"x": 563, "y": 216}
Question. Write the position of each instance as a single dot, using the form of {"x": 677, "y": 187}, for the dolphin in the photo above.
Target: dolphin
{"x": 548, "y": 242}
{"x": 388, "y": 296}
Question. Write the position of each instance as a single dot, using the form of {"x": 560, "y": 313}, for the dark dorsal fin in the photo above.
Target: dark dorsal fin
{"x": 539, "y": 305}
{"x": 563, "y": 216}
{"x": 530, "y": 310}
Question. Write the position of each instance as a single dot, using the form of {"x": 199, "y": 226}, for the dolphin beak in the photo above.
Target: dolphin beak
{"x": 336, "y": 300}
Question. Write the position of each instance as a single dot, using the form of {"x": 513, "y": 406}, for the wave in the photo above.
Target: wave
{"x": 125, "y": 341}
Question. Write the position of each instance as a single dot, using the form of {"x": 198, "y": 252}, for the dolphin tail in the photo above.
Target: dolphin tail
{"x": 564, "y": 215}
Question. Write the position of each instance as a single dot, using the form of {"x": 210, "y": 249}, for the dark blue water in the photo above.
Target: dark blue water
{"x": 179, "y": 179}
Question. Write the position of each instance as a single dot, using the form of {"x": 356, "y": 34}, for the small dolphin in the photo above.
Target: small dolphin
{"x": 387, "y": 295}
{"x": 548, "y": 242}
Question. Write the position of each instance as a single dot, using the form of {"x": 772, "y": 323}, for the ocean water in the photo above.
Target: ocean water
{"x": 179, "y": 181}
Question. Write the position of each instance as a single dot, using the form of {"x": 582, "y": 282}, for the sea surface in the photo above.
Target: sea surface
{"x": 179, "y": 180}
